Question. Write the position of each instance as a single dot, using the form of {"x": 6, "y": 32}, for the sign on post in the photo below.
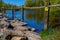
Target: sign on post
{"x": 46, "y": 8}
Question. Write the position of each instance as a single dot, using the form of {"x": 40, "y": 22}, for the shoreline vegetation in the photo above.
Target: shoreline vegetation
{"x": 51, "y": 34}
{"x": 7, "y": 6}
{"x": 54, "y": 17}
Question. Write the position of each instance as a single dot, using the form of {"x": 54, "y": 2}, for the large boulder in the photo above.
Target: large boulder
{"x": 0, "y": 13}
{"x": 32, "y": 35}
{"x": 16, "y": 38}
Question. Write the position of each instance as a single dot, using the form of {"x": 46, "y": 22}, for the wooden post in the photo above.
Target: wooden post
{"x": 22, "y": 14}
{"x": 1, "y": 6}
{"x": 3, "y": 10}
{"x": 46, "y": 16}
{"x": 12, "y": 12}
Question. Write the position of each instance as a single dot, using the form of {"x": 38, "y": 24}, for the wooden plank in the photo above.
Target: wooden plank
{"x": 46, "y": 16}
{"x": 22, "y": 14}
{"x": 57, "y": 5}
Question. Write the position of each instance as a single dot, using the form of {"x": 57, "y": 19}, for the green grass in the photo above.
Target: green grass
{"x": 52, "y": 34}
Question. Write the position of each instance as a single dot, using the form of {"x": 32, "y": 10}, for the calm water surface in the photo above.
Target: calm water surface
{"x": 28, "y": 19}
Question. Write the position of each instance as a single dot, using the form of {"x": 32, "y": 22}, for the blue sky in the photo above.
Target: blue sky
{"x": 15, "y": 2}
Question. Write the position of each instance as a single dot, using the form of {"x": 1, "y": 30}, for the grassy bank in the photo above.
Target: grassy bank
{"x": 52, "y": 34}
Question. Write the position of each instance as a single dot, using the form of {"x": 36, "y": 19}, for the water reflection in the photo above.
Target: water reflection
{"x": 34, "y": 18}
{"x": 37, "y": 15}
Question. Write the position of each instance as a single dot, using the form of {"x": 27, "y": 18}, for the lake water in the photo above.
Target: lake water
{"x": 29, "y": 19}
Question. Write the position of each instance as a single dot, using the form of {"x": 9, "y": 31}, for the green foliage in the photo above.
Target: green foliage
{"x": 36, "y": 14}
{"x": 54, "y": 12}
{"x": 2, "y": 4}
{"x": 28, "y": 3}
{"x": 34, "y": 3}
{"x": 52, "y": 34}
{"x": 46, "y": 32}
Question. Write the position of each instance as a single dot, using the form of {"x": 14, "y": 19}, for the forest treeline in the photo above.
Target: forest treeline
{"x": 2, "y": 4}
{"x": 54, "y": 12}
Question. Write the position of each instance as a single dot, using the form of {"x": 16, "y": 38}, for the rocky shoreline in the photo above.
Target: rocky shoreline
{"x": 17, "y": 30}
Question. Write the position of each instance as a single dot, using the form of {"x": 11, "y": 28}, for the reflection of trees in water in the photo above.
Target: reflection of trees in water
{"x": 29, "y": 14}
{"x": 37, "y": 15}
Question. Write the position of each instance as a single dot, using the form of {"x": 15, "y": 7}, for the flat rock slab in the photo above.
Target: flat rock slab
{"x": 16, "y": 38}
{"x": 29, "y": 35}
{"x": 32, "y": 35}
{"x": 18, "y": 23}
